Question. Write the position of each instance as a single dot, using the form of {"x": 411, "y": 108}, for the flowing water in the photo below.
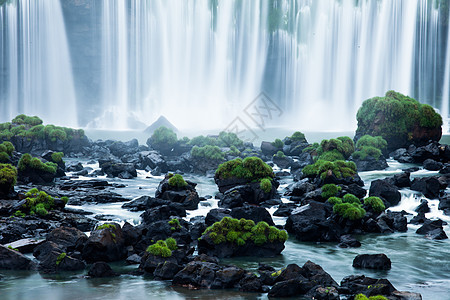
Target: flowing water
{"x": 202, "y": 62}
{"x": 418, "y": 264}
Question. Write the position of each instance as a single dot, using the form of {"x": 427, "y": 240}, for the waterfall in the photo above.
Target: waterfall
{"x": 201, "y": 63}
{"x": 37, "y": 77}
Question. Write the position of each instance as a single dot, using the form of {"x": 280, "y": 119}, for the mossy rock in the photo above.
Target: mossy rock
{"x": 8, "y": 178}
{"x": 399, "y": 119}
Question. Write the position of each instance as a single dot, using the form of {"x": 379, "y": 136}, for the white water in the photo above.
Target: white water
{"x": 202, "y": 62}
{"x": 36, "y": 55}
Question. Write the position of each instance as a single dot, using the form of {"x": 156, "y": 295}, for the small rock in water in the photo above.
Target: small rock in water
{"x": 101, "y": 269}
{"x": 372, "y": 261}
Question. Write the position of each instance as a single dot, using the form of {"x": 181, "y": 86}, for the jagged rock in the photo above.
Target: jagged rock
{"x": 101, "y": 269}
{"x": 166, "y": 270}
{"x": 67, "y": 237}
{"x": 385, "y": 190}
{"x": 423, "y": 207}
{"x": 285, "y": 209}
{"x": 254, "y": 213}
{"x": 432, "y": 229}
{"x": 348, "y": 241}
{"x": 215, "y": 215}
{"x": 428, "y": 186}
{"x": 370, "y": 164}
{"x": 432, "y": 165}
{"x": 360, "y": 284}
{"x": 106, "y": 244}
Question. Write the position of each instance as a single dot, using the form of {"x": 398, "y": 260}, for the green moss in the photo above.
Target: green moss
{"x": 351, "y": 211}
{"x": 277, "y": 273}
{"x": 334, "y": 200}
{"x": 202, "y": 141}
{"x": 298, "y": 137}
{"x": 343, "y": 145}
{"x": 37, "y": 202}
{"x": 8, "y": 175}
{"x": 162, "y": 248}
{"x": 224, "y": 139}
{"x": 266, "y": 185}
{"x": 251, "y": 168}
{"x": 280, "y": 154}
{"x": 400, "y": 115}
{"x": 332, "y": 155}
{"x": 163, "y": 135}
{"x": 234, "y": 151}
{"x": 278, "y": 144}
{"x": 60, "y": 258}
{"x": 15, "y": 249}
{"x": 239, "y": 231}
{"x": 106, "y": 226}
{"x": 57, "y": 157}
{"x": 330, "y": 190}
{"x": 19, "y": 214}
{"x": 376, "y": 204}
{"x": 364, "y": 297}
{"x": 367, "y": 151}
{"x": 27, "y": 161}
{"x": 349, "y": 198}
{"x": 322, "y": 168}
{"x": 177, "y": 181}
{"x": 175, "y": 224}
{"x": 208, "y": 152}
{"x": 40, "y": 210}
{"x": 65, "y": 199}
{"x": 372, "y": 141}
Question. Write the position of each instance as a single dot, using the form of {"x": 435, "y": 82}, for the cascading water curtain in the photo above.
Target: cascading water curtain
{"x": 36, "y": 74}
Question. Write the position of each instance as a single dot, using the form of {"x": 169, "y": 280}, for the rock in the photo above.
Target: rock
{"x": 428, "y": 186}
{"x": 197, "y": 274}
{"x": 227, "y": 249}
{"x": 134, "y": 259}
{"x": 163, "y": 212}
{"x": 285, "y": 209}
{"x": 311, "y": 223}
{"x": 68, "y": 238}
{"x": 401, "y": 180}
{"x": 14, "y": 260}
{"x": 420, "y": 154}
{"x": 292, "y": 271}
{"x": 348, "y": 241}
{"x": 324, "y": 293}
{"x": 370, "y": 164}
{"x": 290, "y": 288}
{"x": 106, "y": 244}
{"x": 44, "y": 249}
{"x": 282, "y": 162}
{"x": 215, "y": 215}
{"x": 153, "y": 160}
{"x": 120, "y": 149}
{"x": 74, "y": 166}
{"x": 101, "y": 269}
{"x": 161, "y": 121}
{"x": 385, "y": 190}
{"x": 69, "y": 263}
{"x": 423, "y": 207}
{"x": 360, "y": 284}
{"x": 406, "y": 295}
{"x": 433, "y": 229}
{"x": 317, "y": 274}
{"x": 268, "y": 149}
{"x": 166, "y": 270}
{"x": 254, "y": 213}
{"x": 402, "y": 155}
{"x": 444, "y": 204}
{"x": 372, "y": 261}
{"x": 418, "y": 219}
{"x": 250, "y": 283}
{"x": 227, "y": 277}
{"x": 437, "y": 234}
{"x": 187, "y": 196}
{"x": 114, "y": 169}
{"x": 300, "y": 188}
{"x": 432, "y": 165}
{"x": 25, "y": 245}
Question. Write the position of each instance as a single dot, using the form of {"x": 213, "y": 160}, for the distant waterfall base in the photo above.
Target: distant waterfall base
{"x": 118, "y": 64}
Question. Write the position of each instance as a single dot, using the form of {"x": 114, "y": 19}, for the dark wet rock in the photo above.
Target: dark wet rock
{"x": 114, "y": 168}
{"x": 251, "y": 283}
{"x": 166, "y": 270}
{"x": 254, "y": 213}
{"x": 8, "y": 207}
{"x": 400, "y": 295}
{"x": 163, "y": 212}
{"x": 372, "y": 261}
{"x": 120, "y": 149}
{"x": 197, "y": 274}
{"x": 292, "y": 271}
{"x": 300, "y": 188}
{"x": 216, "y": 214}
{"x": 74, "y": 166}
{"x": 134, "y": 259}
{"x": 348, "y": 241}
{"x": 418, "y": 219}
{"x": 153, "y": 160}
{"x": 282, "y": 174}
{"x": 285, "y": 209}
{"x": 311, "y": 223}
{"x": 68, "y": 237}
{"x": 360, "y": 284}
{"x": 290, "y": 288}
{"x": 420, "y": 154}
{"x": 324, "y": 293}
{"x": 432, "y": 165}
{"x": 370, "y": 164}
{"x": 227, "y": 277}
{"x": 282, "y": 162}
{"x": 317, "y": 274}
{"x": 14, "y": 260}
{"x": 423, "y": 207}
{"x": 131, "y": 234}
{"x": 69, "y": 263}
{"x": 429, "y": 226}
{"x": 401, "y": 180}
{"x": 303, "y": 160}
{"x": 101, "y": 269}
{"x": 437, "y": 234}
{"x": 444, "y": 204}
{"x": 428, "y": 186}
{"x": 402, "y": 155}
{"x": 354, "y": 189}
{"x": 268, "y": 149}
{"x": 36, "y": 176}
{"x": 385, "y": 190}
{"x": 44, "y": 249}
{"x": 106, "y": 244}
{"x": 187, "y": 196}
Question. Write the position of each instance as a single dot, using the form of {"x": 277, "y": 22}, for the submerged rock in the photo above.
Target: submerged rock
{"x": 372, "y": 261}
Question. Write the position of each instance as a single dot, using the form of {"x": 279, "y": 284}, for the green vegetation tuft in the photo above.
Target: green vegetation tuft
{"x": 224, "y": 139}
{"x": 280, "y": 154}
{"x": 298, "y": 137}
{"x": 278, "y": 144}
{"x": 208, "y": 152}
{"x": 266, "y": 185}
{"x": 251, "y": 168}
{"x": 27, "y": 161}
{"x": 349, "y": 207}
{"x": 376, "y": 204}
{"x": 323, "y": 168}
{"x": 330, "y": 190}
{"x": 239, "y": 231}
{"x": 234, "y": 151}
{"x": 106, "y": 226}
{"x": 369, "y": 146}
{"x": 364, "y": 297}
{"x": 163, "y": 248}
{"x": 37, "y": 203}
{"x": 8, "y": 175}
{"x": 60, "y": 258}
{"x": 163, "y": 135}
{"x": 57, "y": 157}
{"x": 177, "y": 181}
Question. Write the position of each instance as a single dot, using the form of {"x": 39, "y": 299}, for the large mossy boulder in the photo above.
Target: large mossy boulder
{"x": 399, "y": 119}
{"x": 106, "y": 243}
{"x": 177, "y": 190}
{"x": 32, "y": 169}
{"x": 8, "y": 178}
{"x": 232, "y": 237}
{"x": 251, "y": 180}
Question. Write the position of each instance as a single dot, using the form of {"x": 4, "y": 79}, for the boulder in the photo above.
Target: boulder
{"x": 163, "y": 212}
{"x": 106, "y": 244}
{"x": 285, "y": 209}
{"x": 166, "y": 270}
{"x": 420, "y": 154}
{"x": 372, "y": 261}
{"x": 370, "y": 164}
{"x": 215, "y": 215}
{"x": 348, "y": 241}
{"x": 254, "y": 213}
{"x": 432, "y": 229}
{"x": 67, "y": 237}
{"x": 14, "y": 260}
{"x": 423, "y": 207}
{"x": 432, "y": 165}
{"x": 384, "y": 189}
{"x": 228, "y": 249}
{"x": 114, "y": 169}
{"x": 291, "y": 288}
{"x": 101, "y": 269}
{"x": 197, "y": 274}
{"x": 268, "y": 149}
{"x": 360, "y": 284}
{"x": 186, "y": 195}
{"x": 428, "y": 186}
